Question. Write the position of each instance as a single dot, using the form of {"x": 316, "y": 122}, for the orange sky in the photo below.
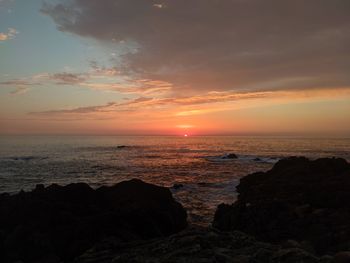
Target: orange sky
{"x": 225, "y": 67}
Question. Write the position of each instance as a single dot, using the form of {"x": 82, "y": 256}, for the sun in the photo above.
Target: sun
{"x": 185, "y": 135}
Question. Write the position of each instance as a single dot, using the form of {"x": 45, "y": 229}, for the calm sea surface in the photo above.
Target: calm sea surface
{"x": 196, "y": 162}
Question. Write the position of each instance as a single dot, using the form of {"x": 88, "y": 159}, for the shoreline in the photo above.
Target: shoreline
{"x": 295, "y": 211}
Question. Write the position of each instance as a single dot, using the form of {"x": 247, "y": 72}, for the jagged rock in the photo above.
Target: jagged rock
{"x": 196, "y": 246}
{"x": 121, "y": 146}
{"x": 60, "y": 222}
{"x": 230, "y": 156}
{"x": 299, "y": 199}
{"x": 177, "y": 186}
{"x": 342, "y": 257}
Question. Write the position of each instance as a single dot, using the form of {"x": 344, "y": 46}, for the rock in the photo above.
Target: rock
{"x": 39, "y": 188}
{"x": 230, "y": 156}
{"x": 58, "y": 223}
{"x": 291, "y": 244}
{"x": 326, "y": 259}
{"x": 342, "y": 257}
{"x": 196, "y": 245}
{"x": 177, "y": 186}
{"x": 121, "y": 146}
{"x": 299, "y": 199}
{"x": 293, "y": 255}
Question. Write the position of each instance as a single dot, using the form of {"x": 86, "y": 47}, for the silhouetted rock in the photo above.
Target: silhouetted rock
{"x": 61, "y": 222}
{"x": 177, "y": 186}
{"x": 298, "y": 199}
{"x": 342, "y": 257}
{"x": 230, "y": 156}
{"x": 197, "y": 246}
{"x": 121, "y": 146}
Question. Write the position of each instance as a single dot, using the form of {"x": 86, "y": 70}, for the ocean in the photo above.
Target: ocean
{"x": 199, "y": 164}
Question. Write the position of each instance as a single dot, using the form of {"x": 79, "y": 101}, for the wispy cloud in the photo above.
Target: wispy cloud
{"x": 141, "y": 87}
{"x": 193, "y": 105}
{"x": 21, "y": 85}
{"x": 10, "y": 34}
{"x": 19, "y": 82}
{"x": 97, "y": 78}
{"x": 19, "y": 91}
{"x": 67, "y": 78}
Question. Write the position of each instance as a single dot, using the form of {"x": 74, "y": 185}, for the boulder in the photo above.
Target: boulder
{"x": 197, "y": 246}
{"x": 58, "y": 223}
{"x": 298, "y": 199}
{"x": 177, "y": 186}
{"x": 342, "y": 257}
{"x": 230, "y": 156}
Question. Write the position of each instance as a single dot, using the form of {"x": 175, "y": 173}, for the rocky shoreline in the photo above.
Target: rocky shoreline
{"x": 299, "y": 199}
{"x": 59, "y": 223}
{"x": 299, "y": 211}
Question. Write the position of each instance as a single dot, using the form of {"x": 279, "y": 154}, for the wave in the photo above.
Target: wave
{"x": 230, "y": 157}
{"x": 179, "y": 186}
{"x": 109, "y": 148}
{"x": 26, "y": 158}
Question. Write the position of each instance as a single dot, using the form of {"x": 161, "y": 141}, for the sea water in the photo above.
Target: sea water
{"x": 198, "y": 164}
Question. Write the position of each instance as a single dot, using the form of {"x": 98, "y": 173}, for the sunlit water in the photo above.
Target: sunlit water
{"x": 195, "y": 162}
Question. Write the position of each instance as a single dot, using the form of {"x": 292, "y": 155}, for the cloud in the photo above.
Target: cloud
{"x": 141, "y": 87}
{"x": 98, "y": 78}
{"x": 19, "y": 91}
{"x": 18, "y": 82}
{"x": 205, "y": 45}
{"x": 98, "y": 70}
{"x": 21, "y": 85}
{"x": 191, "y": 105}
{"x": 67, "y": 78}
{"x": 10, "y": 34}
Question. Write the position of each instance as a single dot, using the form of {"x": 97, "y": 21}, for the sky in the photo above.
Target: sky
{"x": 175, "y": 67}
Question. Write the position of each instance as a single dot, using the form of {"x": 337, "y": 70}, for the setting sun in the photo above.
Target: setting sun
{"x": 131, "y": 130}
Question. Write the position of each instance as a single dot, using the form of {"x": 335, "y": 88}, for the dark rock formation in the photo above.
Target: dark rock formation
{"x": 230, "y": 156}
{"x": 342, "y": 257}
{"x": 298, "y": 199}
{"x": 121, "y": 146}
{"x": 57, "y": 223}
{"x": 177, "y": 186}
{"x": 198, "y": 246}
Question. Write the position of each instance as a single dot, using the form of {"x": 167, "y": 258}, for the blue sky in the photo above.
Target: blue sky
{"x": 40, "y": 48}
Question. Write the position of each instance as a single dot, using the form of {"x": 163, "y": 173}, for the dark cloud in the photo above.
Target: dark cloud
{"x": 222, "y": 44}
{"x": 67, "y": 78}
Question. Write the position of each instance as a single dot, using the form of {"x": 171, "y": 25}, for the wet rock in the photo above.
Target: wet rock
{"x": 58, "y": 223}
{"x": 297, "y": 199}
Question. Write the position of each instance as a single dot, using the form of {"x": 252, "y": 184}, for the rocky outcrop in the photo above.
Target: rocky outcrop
{"x": 199, "y": 246}
{"x": 229, "y": 156}
{"x": 298, "y": 199}
{"x": 58, "y": 223}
